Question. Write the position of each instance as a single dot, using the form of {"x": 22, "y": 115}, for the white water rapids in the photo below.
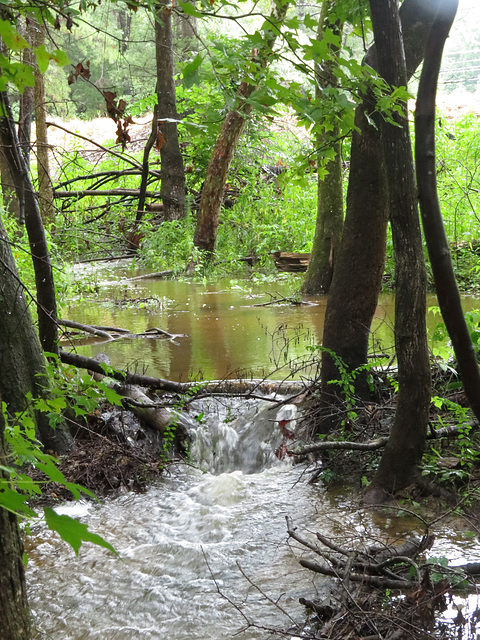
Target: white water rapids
{"x": 182, "y": 544}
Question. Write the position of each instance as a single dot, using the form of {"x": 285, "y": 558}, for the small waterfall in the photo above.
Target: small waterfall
{"x": 244, "y": 437}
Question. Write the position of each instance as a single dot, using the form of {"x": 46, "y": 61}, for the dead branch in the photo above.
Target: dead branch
{"x": 122, "y": 156}
{"x": 86, "y": 328}
{"x": 226, "y": 387}
{"x": 155, "y": 274}
{"x": 83, "y": 193}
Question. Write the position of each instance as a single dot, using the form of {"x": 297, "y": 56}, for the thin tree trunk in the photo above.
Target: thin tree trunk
{"x": 403, "y": 452}
{"x": 46, "y": 301}
{"x": 435, "y": 236}
{"x": 27, "y": 97}
{"x": 14, "y": 615}
{"x": 359, "y": 266}
{"x": 208, "y": 216}
{"x": 328, "y": 229}
{"x": 22, "y": 362}
{"x": 186, "y": 39}
{"x": 173, "y": 174}
{"x": 45, "y": 189}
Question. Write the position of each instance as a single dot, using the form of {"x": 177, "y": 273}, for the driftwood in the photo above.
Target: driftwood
{"x": 374, "y": 567}
{"x": 326, "y": 445}
{"x": 114, "y": 333}
{"x": 96, "y": 331}
{"x": 155, "y": 274}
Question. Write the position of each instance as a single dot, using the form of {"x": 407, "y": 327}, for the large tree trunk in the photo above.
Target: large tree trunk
{"x": 173, "y": 175}
{"x": 14, "y": 616}
{"x": 208, "y": 216}
{"x": 359, "y": 266}
{"x": 328, "y": 229}
{"x": 403, "y": 452}
{"x": 46, "y": 301}
{"x": 435, "y": 236}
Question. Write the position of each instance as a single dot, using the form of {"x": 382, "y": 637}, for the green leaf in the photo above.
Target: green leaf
{"x": 189, "y": 9}
{"x": 43, "y": 58}
{"x": 60, "y": 57}
{"x": 10, "y": 36}
{"x": 15, "y": 502}
{"x": 113, "y": 397}
{"x": 73, "y": 532}
{"x": 190, "y": 71}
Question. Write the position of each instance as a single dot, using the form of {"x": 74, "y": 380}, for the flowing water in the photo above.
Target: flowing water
{"x": 204, "y": 552}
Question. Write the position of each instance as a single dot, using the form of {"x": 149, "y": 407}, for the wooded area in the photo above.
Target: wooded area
{"x": 214, "y": 183}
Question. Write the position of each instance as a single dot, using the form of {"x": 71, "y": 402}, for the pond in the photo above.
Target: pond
{"x": 222, "y": 332}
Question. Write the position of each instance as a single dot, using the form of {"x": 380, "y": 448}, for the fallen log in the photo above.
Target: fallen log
{"x": 155, "y": 274}
{"x": 242, "y": 388}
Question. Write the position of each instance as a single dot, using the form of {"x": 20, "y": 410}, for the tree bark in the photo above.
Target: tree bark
{"x": 328, "y": 229}
{"x": 22, "y": 362}
{"x": 357, "y": 279}
{"x": 14, "y": 616}
{"x": 45, "y": 189}
{"x": 173, "y": 174}
{"x": 185, "y": 34}
{"x": 435, "y": 236}
{"x": 46, "y": 301}
{"x": 208, "y": 216}
{"x": 403, "y": 452}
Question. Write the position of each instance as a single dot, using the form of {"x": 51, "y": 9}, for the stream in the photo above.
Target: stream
{"x": 204, "y": 552}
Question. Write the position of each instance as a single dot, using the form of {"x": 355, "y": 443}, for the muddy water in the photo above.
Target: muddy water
{"x": 224, "y": 333}
{"x": 204, "y": 553}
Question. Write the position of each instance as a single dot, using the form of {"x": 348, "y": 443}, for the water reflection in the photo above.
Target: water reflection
{"x": 226, "y": 335}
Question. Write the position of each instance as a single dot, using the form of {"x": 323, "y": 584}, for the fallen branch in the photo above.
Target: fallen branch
{"x": 227, "y": 387}
{"x": 83, "y": 193}
{"x": 155, "y": 274}
{"x": 95, "y": 331}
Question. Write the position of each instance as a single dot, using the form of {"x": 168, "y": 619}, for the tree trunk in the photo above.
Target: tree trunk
{"x": 328, "y": 229}
{"x": 435, "y": 236}
{"x": 27, "y": 97}
{"x": 403, "y": 452}
{"x": 173, "y": 174}
{"x": 185, "y": 34}
{"x": 22, "y": 362}
{"x": 14, "y": 616}
{"x": 45, "y": 189}
{"x": 46, "y": 302}
{"x": 208, "y": 216}
{"x": 359, "y": 265}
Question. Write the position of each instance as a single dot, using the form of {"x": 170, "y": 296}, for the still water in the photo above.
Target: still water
{"x": 224, "y": 334}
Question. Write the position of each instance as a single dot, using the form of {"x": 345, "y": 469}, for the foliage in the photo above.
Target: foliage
{"x": 17, "y": 487}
